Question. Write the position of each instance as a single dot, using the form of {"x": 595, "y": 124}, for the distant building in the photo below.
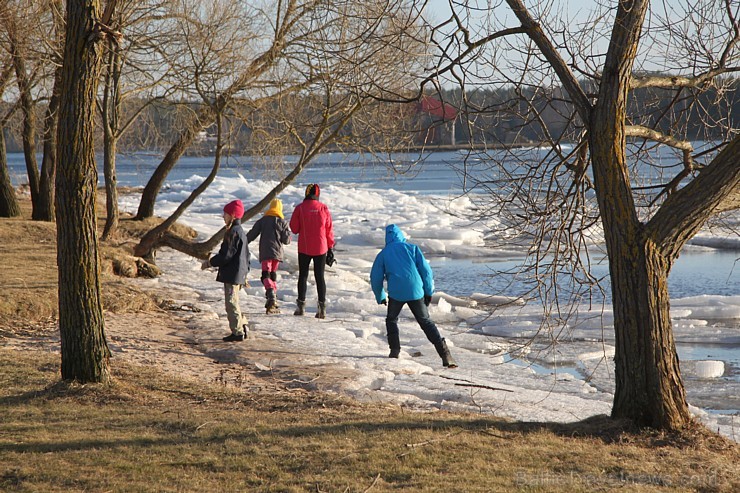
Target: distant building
{"x": 437, "y": 121}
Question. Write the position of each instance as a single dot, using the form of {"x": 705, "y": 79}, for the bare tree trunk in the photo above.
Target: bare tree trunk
{"x": 145, "y": 248}
{"x": 111, "y": 185}
{"x": 202, "y": 250}
{"x": 49, "y": 161}
{"x": 28, "y": 132}
{"x": 85, "y": 353}
{"x": 111, "y": 115}
{"x": 8, "y": 202}
{"x": 9, "y": 206}
{"x": 649, "y": 389}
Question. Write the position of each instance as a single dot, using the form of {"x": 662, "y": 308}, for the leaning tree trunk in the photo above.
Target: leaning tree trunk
{"x": 149, "y": 195}
{"x": 9, "y": 206}
{"x": 207, "y": 116}
{"x": 162, "y": 236}
{"x": 85, "y": 353}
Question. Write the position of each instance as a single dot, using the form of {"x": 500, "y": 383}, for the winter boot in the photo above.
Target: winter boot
{"x": 395, "y": 344}
{"x": 321, "y": 313}
{"x": 271, "y": 306}
{"x": 444, "y": 353}
{"x": 301, "y": 305}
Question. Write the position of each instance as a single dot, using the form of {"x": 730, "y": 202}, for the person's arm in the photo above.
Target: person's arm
{"x": 425, "y": 271}
{"x": 229, "y": 249}
{"x": 377, "y": 276}
{"x": 284, "y": 232}
{"x": 329, "y": 230}
{"x": 255, "y": 231}
{"x": 295, "y": 220}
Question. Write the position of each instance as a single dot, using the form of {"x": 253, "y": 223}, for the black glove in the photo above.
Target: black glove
{"x": 427, "y": 300}
{"x": 330, "y": 260}
{"x": 384, "y": 301}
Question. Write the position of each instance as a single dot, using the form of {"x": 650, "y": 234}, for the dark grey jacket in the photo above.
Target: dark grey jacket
{"x": 232, "y": 259}
{"x": 274, "y": 233}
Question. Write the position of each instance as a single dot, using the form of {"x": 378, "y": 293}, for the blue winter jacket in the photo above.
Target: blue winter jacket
{"x": 403, "y": 265}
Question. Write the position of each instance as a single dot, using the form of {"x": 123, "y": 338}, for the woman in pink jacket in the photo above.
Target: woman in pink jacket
{"x": 311, "y": 221}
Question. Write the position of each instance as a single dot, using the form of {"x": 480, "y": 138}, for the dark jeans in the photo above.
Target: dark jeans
{"x": 421, "y": 314}
{"x": 319, "y": 262}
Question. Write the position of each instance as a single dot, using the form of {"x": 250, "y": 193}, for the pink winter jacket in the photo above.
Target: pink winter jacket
{"x": 311, "y": 221}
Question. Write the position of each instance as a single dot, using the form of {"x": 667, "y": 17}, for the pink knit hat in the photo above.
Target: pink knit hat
{"x": 235, "y": 209}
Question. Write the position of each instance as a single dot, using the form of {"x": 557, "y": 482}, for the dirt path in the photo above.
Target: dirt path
{"x": 187, "y": 344}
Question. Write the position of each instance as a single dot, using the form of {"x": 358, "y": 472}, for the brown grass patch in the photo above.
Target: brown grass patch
{"x": 150, "y": 432}
{"x": 28, "y": 272}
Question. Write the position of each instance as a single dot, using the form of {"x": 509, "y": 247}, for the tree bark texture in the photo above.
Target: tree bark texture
{"x": 46, "y": 210}
{"x": 111, "y": 115}
{"x": 85, "y": 353}
{"x": 9, "y": 206}
{"x": 28, "y": 132}
{"x": 649, "y": 390}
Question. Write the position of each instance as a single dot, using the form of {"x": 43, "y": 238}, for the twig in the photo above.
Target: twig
{"x": 427, "y": 442}
{"x": 373, "y": 483}
{"x": 469, "y": 383}
{"x": 206, "y": 423}
{"x": 482, "y": 387}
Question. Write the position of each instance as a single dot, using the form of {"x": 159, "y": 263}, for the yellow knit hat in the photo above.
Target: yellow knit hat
{"x": 276, "y": 208}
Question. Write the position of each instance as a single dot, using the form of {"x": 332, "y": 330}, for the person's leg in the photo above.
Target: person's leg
{"x": 237, "y": 322}
{"x": 421, "y": 314}
{"x": 303, "y": 263}
{"x": 391, "y": 327}
{"x": 319, "y": 264}
{"x": 269, "y": 278}
{"x": 274, "y": 264}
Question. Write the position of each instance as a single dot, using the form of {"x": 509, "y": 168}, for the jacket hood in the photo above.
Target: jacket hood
{"x": 276, "y": 208}
{"x": 394, "y": 234}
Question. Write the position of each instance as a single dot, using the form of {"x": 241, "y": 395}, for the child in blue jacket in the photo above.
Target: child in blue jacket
{"x": 410, "y": 282}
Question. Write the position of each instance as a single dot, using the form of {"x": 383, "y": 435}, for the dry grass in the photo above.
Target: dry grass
{"x": 150, "y": 432}
{"x": 28, "y": 273}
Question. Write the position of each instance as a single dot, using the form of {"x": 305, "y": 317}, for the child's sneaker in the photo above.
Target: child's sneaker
{"x": 234, "y": 338}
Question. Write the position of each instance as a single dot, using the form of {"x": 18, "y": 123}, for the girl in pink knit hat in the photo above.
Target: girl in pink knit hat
{"x": 232, "y": 261}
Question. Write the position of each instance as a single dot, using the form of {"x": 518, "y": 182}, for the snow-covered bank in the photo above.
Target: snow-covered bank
{"x": 506, "y": 368}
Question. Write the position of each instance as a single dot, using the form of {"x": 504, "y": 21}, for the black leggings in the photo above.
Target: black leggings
{"x": 319, "y": 261}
